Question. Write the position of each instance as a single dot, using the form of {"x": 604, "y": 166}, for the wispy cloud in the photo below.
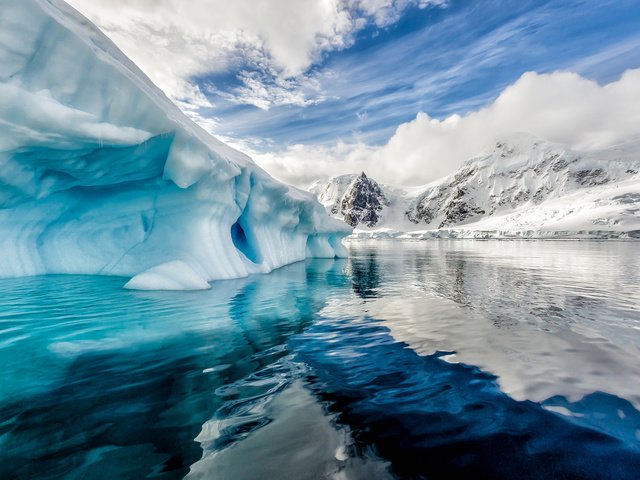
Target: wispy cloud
{"x": 609, "y": 58}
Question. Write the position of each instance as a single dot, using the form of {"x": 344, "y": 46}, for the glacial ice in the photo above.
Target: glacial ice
{"x": 100, "y": 173}
{"x": 174, "y": 275}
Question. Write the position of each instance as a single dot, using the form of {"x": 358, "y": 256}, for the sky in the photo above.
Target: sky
{"x": 405, "y": 90}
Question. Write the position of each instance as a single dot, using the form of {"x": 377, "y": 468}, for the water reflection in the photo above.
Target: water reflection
{"x": 438, "y": 359}
{"x": 533, "y": 313}
{"x": 365, "y": 275}
{"x": 435, "y": 419}
{"x": 122, "y": 383}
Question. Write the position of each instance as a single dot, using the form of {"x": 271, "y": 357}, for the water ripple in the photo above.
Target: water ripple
{"x": 409, "y": 359}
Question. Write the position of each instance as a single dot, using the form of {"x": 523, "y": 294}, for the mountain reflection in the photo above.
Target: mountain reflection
{"x": 365, "y": 275}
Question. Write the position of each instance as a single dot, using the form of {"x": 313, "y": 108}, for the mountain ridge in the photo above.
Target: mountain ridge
{"x": 525, "y": 184}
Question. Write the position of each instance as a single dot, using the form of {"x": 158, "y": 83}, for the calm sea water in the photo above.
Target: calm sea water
{"x": 458, "y": 359}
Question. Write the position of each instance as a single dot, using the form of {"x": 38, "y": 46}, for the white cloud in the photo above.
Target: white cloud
{"x": 561, "y": 107}
{"x": 386, "y": 12}
{"x": 262, "y": 90}
{"x": 174, "y": 40}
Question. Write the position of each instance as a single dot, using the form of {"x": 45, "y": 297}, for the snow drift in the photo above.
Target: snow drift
{"x": 101, "y": 174}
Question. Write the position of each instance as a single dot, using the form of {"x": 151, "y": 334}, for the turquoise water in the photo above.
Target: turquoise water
{"x": 408, "y": 359}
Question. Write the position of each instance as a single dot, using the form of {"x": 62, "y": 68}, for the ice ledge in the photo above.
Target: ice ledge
{"x": 175, "y": 275}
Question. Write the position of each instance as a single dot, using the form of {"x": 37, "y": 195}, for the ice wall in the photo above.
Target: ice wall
{"x": 101, "y": 174}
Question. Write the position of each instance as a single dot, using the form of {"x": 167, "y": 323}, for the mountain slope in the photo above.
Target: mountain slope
{"x": 357, "y": 198}
{"x": 525, "y": 187}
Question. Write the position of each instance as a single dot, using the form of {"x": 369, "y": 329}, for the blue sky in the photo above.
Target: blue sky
{"x": 440, "y": 60}
{"x": 404, "y": 89}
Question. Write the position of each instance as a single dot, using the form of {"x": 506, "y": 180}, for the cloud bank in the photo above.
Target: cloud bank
{"x": 561, "y": 107}
{"x": 269, "y": 44}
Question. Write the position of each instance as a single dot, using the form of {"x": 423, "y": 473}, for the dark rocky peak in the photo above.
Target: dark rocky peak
{"x": 362, "y": 201}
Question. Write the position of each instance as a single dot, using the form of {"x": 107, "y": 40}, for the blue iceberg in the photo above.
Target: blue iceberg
{"x": 100, "y": 173}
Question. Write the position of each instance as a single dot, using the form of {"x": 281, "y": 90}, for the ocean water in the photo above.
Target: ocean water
{"x": 433, "y": 359}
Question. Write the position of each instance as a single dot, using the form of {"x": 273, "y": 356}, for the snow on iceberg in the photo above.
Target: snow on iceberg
{"x": 101, "y": 174}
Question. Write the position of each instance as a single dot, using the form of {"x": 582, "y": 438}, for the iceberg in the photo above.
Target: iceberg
{"x": 100, "y": 173}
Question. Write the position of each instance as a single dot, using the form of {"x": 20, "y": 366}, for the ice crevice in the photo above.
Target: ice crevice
{"x": 101, "y": 174}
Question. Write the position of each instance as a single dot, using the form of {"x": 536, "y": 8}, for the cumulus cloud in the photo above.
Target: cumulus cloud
{"x": 272, "y": 43}
{"x": 560, "y": 107}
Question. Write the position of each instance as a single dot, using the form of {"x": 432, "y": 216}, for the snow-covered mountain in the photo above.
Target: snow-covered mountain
{"x": 356, "y": 199}
{"x": 524, "y": 187}
{"x": 101, "y": 174}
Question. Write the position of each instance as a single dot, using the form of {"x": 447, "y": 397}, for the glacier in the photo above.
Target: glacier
{"x": 100, "y": 173}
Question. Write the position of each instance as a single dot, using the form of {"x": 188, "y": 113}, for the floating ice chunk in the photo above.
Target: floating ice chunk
{"x": 176, "y": 275}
